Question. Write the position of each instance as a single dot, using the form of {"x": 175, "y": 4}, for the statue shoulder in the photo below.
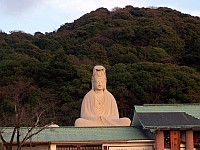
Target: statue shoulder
{"x": 89, "y": 95}
{"x": 109, "y": 94}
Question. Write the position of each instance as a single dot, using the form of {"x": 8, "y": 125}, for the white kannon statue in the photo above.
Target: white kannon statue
{"x": 99, "y": 107}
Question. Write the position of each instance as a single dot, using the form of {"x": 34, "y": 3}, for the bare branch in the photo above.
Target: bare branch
{"x": 8, "y": 144}
{"x": 13, "y": 96}
{"x": 29, "y": 133}
{"x": 2, "y": 138}
{"x": 13, "y": 135}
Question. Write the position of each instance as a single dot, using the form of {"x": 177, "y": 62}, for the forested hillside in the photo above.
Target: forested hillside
{"x": 152, "y": 55}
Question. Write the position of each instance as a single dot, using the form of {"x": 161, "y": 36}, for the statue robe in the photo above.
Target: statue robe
{"x": 100, "y": 113}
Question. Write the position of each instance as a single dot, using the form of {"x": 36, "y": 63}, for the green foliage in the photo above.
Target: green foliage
{"x": 121, "y": 54}
{"x": 156, "y": 83}
{"x": 151, "y": 56}
{"x": 161, "y": 36}
{"x": 47, "y": 44}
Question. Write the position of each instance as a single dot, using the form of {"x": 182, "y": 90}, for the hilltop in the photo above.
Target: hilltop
{"x": 152, "y": 55}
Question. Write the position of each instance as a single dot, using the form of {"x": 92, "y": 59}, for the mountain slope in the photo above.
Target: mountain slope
{"x": 151, "y": 56}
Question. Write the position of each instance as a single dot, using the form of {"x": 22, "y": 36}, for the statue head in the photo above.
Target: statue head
{"x": 99, "y": 71}
{"x": 99, "y": 78}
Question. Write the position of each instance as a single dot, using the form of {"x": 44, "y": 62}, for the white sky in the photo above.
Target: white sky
{"x": 31, "y": 16}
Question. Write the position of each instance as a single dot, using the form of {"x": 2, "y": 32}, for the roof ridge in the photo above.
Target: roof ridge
{"x": 180, "y": 104}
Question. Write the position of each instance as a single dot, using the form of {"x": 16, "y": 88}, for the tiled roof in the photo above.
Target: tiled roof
{"x": 70, "y": 134}
{"x": 191, "y": 109}
{"x": 153, "y": 116}
{"x": 167, "y": 120}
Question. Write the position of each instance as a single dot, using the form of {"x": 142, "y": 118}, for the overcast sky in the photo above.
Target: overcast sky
{"x": 31, "y": 16}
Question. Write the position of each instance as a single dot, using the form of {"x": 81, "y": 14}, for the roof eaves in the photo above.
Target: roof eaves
{"x": 173, "y": 127}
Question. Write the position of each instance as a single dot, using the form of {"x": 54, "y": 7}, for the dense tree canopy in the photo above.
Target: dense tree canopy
{"x": 152, "y": 55}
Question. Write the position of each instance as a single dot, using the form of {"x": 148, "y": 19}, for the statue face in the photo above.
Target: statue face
{"x": 99, "y": 84}
{"x": 99, "y": 73}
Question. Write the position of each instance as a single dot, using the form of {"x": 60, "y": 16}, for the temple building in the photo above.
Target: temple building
{"x": 175, "y": 126}
{"x": 153, "y": 127}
